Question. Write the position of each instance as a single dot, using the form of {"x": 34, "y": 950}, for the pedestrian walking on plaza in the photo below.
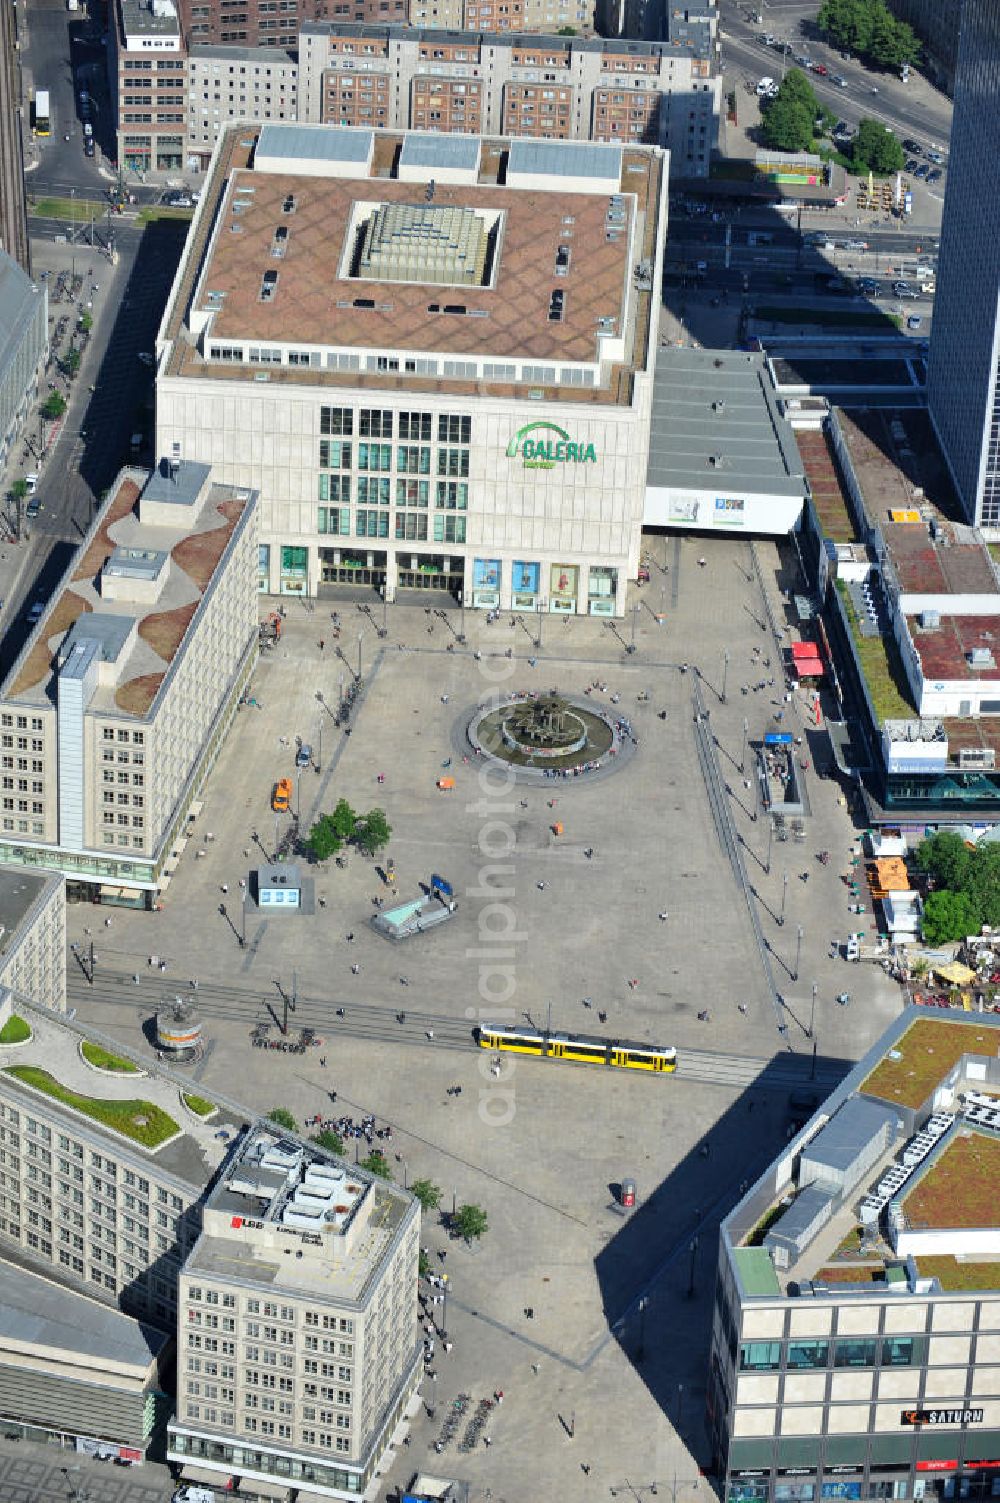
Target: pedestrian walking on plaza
{"x": 322, "y": 644}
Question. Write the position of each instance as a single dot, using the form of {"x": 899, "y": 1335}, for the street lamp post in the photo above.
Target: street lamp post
{"x": 539, "y": 608}
{"x": 693, "y": 1250}
{"x": 798, "y": 951}
{"x": 784, "y": 895}
{"x": 640, "y": 1350}
{"x": 361, "y": 638}
{"x": 770, "y": 836}
{"x": 725, "y": 675}
{"x": 812, "y": 1010}
{"x": 319, "y": 746}
{"x": 743, "y": 753}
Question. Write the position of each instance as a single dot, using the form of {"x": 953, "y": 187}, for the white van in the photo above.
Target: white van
{"x": 190, "y": 1494}
{"x": 764, "y": 87}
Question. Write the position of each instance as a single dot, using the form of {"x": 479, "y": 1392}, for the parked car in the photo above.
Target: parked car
{"x": 923, "y": 171}
{"x": 839, "y": 80}
{"x": 31, "y": 481}
{"x": 935, "y": 176}
{"x": 908, "y": 144}
{"x": 911, "y": 165}
{"x": 281, "y": 797}
{"x": 303, "y": 756}
{"x": 35, "y": 612}
{"x": 914, "y": 321}
{"x": 32, "y": 509}
{"x": 904, "y": 290}
{"x": 935, "y": 156}
{"x": 820, "y": 68}
{"x": 88, "y": 146}
{"x": 178, "y": 200}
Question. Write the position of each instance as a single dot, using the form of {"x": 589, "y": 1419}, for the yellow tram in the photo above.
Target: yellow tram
{"x": 583, "y": 1048}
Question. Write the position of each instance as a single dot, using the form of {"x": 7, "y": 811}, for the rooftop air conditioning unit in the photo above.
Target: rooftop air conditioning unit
{"x": 980, "y": 657}
{"x": 715, "y": 460}
{"x": 719, "y": 406}
{"x": 930, "y": 620}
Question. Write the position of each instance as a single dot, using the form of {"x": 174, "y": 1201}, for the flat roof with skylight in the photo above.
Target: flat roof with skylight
{"x": 892, "y": 1180}
{"x": 341, "y": 251}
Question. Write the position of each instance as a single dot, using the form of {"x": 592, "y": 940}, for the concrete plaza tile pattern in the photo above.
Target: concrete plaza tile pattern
{"x": 593, "y": 1322}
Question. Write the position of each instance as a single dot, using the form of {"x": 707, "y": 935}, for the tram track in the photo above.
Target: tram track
{"x": 377, "y": 1023}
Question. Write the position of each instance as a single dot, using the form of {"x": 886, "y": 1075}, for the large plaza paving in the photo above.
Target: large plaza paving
{"x": 609, "y": 1372}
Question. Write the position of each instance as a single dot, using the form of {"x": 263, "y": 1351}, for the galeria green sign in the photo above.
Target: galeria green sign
{"x": 543, "y": 445}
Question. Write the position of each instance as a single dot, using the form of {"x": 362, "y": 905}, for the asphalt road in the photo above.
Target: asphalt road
{"x": 915, "y": 109}
{"x": 57, "y": 59}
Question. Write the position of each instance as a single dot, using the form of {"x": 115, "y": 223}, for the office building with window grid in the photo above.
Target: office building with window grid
{"x": 119, "y": 701}
{"x": 963, "y": 389}
{"x": 288, "y": 1276}
{"x": 482, "y": 430}
{"x": 855, "y": 1348}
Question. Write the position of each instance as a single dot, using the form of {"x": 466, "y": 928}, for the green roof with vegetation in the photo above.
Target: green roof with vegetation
{"x": 15, "y": 1031}
{"x": 142, "y": 1121}
{"x": 952, "y": 1274}
{"x": 881, "y": 665}
{"x": 103, "y": 1059}
{"x": 923, "y": 1056}
{"x": 198, "y": 1104}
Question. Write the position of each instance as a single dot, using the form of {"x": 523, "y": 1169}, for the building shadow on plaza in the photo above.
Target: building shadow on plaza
{"x": 657, "y": 1271}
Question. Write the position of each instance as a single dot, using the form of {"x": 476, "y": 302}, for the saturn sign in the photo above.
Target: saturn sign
{"x": 543, "y": 445}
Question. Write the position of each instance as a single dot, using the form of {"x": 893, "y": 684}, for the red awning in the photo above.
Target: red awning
{"x": 808, "y": 667}
{"x": 804, "y": 650}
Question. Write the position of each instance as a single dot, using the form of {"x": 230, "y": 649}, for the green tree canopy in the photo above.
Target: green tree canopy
{"x": 787, "y": 126}
{"x": 331, "y": 1141}
{"x": 282, "y": 1117}
{"x": 377, "y": 1163}
{"x": 19, "y": 489}
{"x": 469, "y": 1222}
{"x": 71, "y": 362}
{"x": 373, "y": 832}
{"x": 331, "y": 831}
{"x": 869, "y": 30}
{"x": 948, "y": 916}
{"x": 428, "y": 1194}
{"x": 423, "y": 1265}
{"x": 944, "y": 856}
{"x": 54, "y": 405}
{"x": 876, "y": 148}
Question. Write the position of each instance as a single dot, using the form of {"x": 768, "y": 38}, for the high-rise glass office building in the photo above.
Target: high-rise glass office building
{"x": 963, "y": 388}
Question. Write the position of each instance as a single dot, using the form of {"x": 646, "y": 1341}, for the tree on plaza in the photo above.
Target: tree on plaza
{"x": 331, "y": 1141}
{"x": 948, "y": 916}
{"x": 71, "y": 362}
{"x": 469, "y": 1222}
{"x": 423, "y": 1265}
{"x": 945, "y": 856}
{"x": 787, "y": 125}
{"x": 428, "y": 1194}
{"x": 19, "y": 489}
{"x": 876, "y": 149}
{"x": 982, "y": 884}
{"x": 282, "y": 1117}
{"x": 54, "y": 406}
{"x": 373, "y": 832}
{"x": 331, "y": 832}
{"x": 377, "y": 1163}
{"x": 789, "y": 119}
